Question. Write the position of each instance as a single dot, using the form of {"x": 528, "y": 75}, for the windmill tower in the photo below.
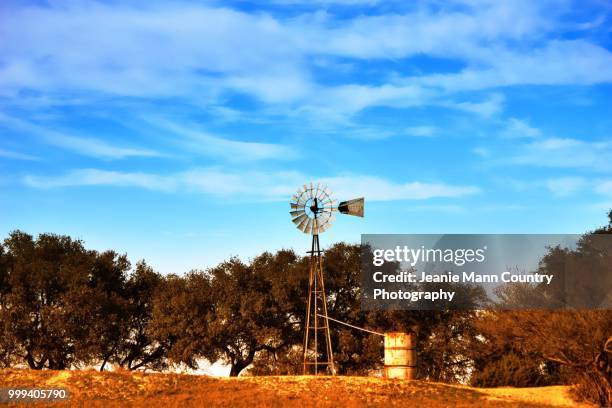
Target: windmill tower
{"x": 313, "y": 210}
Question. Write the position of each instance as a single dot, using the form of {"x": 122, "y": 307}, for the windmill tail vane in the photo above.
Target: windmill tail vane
{"x": 352, "y": 207}
{"x": 313, "y": 211}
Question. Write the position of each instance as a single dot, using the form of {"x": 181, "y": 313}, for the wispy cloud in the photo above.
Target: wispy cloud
{"x": 562, "y": 187}
{"x": 380, "y": 189}
{"x": 328, "y": 2}
{"x": 517, "y": 128}
{"x": 421, "y": 131}
{"x": 565, "y": 153}
{"x": 94, "y": 177}
{"x": 604, "y": 187}
{"x": 558, "y": 62}
{"x": 194, "y": 54}
{"x": 87, "y": 146}
{"x": 94, "y": 147}
{"x": 565, "y": 186}
{"x": 194, "y": 140}
{"x": 489, "y": 107}
{"x": 9, "y": 154}
{"x": 255, "y": 185}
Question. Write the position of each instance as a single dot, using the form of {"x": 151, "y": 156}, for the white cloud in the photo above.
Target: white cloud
{"x": 94, "y": 177}
{"x": 191, "y": 140}
{"x": 604, "y": 187}
{"x": 421, "y": 131}
{"x": 565, "y": 153}
{"x": 565, "y": 186}
{"x": 194, "y": 140}
{"x": 87, "y": 146}
{"x": 253, "y": 185}
{"x": 516, "y": 128}
{"x": 576, "y": 62}
{"x": 379, "y": 189}
{"x": 93, "y": 147}
{"x": 9, "y": 154}
{"x": 199, "y": 51}
{"x": 328, "y": 2}
{"x": 353, "y": 98}
{"x": 447, "y": 33}
{"x": 487, "y": 108}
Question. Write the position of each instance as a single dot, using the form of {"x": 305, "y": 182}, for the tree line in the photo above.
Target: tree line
{"x": 64, "y": 306}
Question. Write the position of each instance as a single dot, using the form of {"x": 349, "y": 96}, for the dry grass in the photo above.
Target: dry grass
{"x": 91, "y": 388}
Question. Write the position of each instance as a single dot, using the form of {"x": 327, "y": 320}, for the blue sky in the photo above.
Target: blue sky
{"x": 176, "y": 132}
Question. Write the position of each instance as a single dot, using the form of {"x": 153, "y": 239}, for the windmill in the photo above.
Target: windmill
{"x": 313, "y": 211}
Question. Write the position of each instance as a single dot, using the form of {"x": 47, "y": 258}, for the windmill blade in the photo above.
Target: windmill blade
{"x": 298, "y": 194}
{"x": 324, "y": 213}
{"x": 321, "y": 195}
{"x": 302, "y": 198}
{"x": 308, "y": 226}
{"x": 296, "y": 213}
{"x": 329, "y": 204}
{"x": 327, "y": 207}
{"x": 301, "y": 226}
{"x": 326, "y": 193}
{"x": 310, "y": 191}
{"x": 299, "y": 219}
{"x": 327, "y": 224}
{"x": 352, "y": 207}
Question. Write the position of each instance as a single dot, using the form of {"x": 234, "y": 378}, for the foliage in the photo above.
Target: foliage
{"x": 577, "y": 339}
{"x": 514, "y": 369}
{"x": 63, "y": 306}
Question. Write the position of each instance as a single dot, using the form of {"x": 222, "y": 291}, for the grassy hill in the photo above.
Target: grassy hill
{"x": 92, "y": 388}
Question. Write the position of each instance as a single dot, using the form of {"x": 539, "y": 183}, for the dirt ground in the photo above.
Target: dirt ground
{"x": 92, "y": 388}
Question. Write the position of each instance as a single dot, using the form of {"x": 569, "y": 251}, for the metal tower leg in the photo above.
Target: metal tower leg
{"x": 316, "y": 295}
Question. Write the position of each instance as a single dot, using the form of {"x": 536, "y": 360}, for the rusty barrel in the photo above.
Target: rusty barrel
{"x": 400, "y": 355}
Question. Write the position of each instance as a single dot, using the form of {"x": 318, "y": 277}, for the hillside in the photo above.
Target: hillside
{"x": 177, "y": 390}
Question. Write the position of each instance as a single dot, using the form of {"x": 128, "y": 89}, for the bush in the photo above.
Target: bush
{"x": 515, "y": 370}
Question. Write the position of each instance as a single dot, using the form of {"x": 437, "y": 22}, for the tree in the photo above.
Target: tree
{"x": 44, "y": 276}
{"x": 107, "y": 298}
{"x": 575, "y": 338}
{"x": 249, "y": 313}
{"x": 140, "y": 348}
{"x": 8, "y": 344}
{"x": 182, "y": 310}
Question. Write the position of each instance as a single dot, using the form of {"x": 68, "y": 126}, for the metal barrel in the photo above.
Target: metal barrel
{"x": 400, "y": 355}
